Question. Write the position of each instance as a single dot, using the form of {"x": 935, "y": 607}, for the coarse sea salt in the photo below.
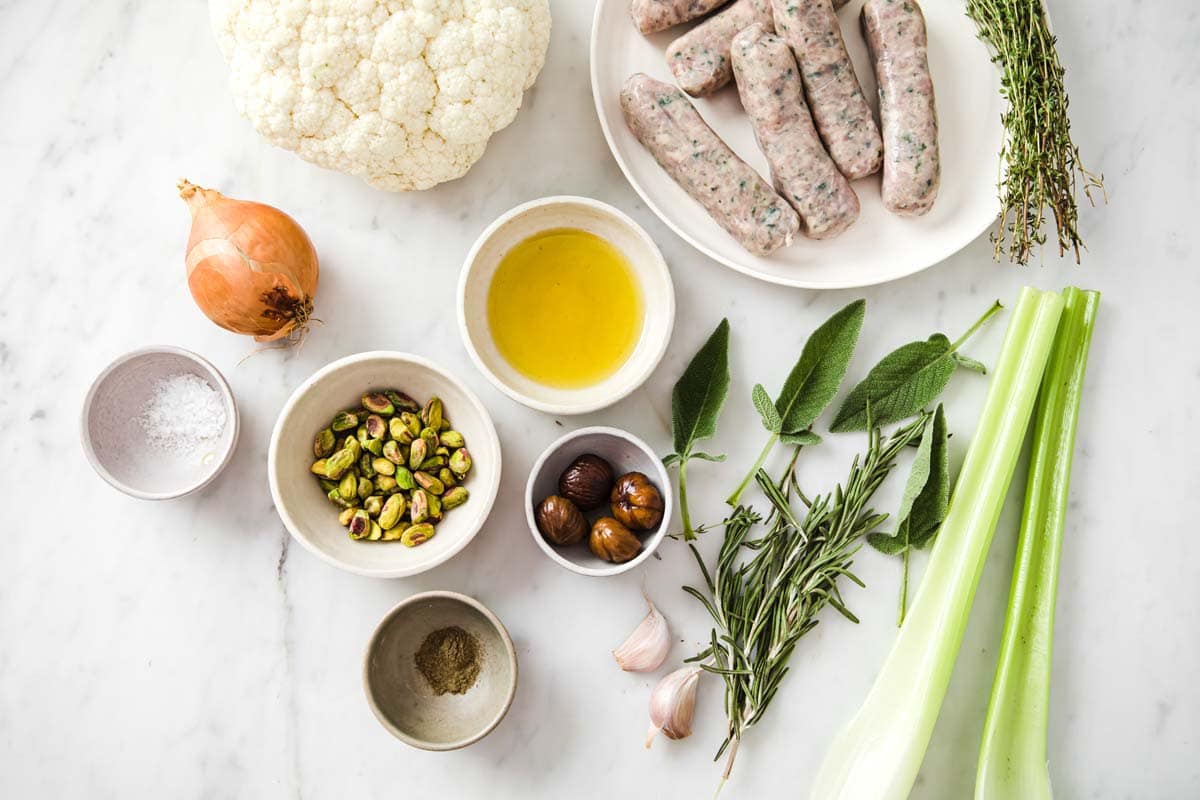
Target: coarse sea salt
{"x": 184, "y": 416}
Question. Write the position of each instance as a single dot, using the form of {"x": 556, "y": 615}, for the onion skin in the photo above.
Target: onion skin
{"x": 251, "y": 268}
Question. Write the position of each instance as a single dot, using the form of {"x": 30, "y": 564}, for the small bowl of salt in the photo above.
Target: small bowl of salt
{"x": 159, "y": 423}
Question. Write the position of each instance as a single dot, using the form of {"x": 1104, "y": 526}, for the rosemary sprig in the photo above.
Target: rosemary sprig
{"x": 1042, "y": 164}
{"x": 761, "y": 605}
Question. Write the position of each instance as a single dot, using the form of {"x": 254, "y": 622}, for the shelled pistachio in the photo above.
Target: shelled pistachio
{"x": 344, "y": 421}
{"x": 374, "y": 504}
{"x": 392, "y": 466}
{"x": 323, "y": 443}
{"x": 455, "y": 498}
{"x": 401, "y": 401}
{"x": 417, "y": 534}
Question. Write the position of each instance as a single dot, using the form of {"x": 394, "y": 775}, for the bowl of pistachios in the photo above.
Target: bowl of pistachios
{"x": 383, "y": 464}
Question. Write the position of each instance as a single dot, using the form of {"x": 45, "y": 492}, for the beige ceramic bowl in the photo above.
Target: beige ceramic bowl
{"x": 305, "y": 509}
{"x": 649, "y": 268}
{"x": 401, "y": 697}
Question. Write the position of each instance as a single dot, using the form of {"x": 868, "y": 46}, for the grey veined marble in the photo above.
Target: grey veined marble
{"x": 188, "y": 649}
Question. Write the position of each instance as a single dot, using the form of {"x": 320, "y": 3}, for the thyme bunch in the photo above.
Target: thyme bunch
{"x": 1041, "y": 164}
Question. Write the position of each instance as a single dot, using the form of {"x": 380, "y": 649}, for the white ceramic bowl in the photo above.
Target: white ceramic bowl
{"x": 305, "y": 509}
{"x": 626, "y": 453}
{"x": 658, "y": 297}
{"x": 113, "y": 438}
{"x": 400, "y": 696}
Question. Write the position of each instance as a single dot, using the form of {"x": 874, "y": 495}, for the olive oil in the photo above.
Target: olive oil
{"x": 564, "y": 308}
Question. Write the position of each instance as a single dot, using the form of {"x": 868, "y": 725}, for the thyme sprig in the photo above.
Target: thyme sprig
{"x": 1041, "y": 164}
{"x": 765, "y": 593}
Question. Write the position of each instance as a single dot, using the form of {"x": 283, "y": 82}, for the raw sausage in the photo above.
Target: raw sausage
{"x": 651, "y": 16}
{"x": 896, "y": 38}
{"x": 745, "y": 205}
{"x": 835, "y": 97}
{"x": 769, "y": 84}
{"x": 700, "y": 58}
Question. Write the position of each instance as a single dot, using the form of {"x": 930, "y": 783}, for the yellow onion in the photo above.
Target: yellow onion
{"x": 251, "y": 268}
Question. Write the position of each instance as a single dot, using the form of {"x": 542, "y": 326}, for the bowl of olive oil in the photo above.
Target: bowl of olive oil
{"x": 566, "y": 304}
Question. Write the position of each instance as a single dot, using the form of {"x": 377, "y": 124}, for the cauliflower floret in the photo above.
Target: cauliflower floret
{"x": 402, "y": 93}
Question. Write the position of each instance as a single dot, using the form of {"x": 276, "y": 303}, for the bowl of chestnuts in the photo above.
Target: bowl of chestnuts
{"x": 598, "y": 501}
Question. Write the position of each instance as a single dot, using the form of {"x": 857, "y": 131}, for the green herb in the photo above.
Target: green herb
{"x": 1041, "y": 165}
{"x": 696, "y": 404}
{"x": 879, "y": 753}
{"x": 810, "y": 386}
{"x": 800, "y": 437}
{"x": 969, "y": 363}
{"x": 1012, "y": 758}
{"x": 762, "y": 605}
{"x": 923, "y": 505}
{"x": 905, "y": 381}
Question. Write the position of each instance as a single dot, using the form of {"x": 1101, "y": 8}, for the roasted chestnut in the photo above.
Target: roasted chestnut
{"x": 612, "y": 541}
{"x": 636, "y": 503}
{"x": 560, "y": 521}
{"x": 586, "y": 482}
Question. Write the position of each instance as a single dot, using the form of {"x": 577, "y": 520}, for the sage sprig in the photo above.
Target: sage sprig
{"x": 809, "y": 387}
{"x": 924, "y": 502}
{"x": 907, "y": 380}
{"x": 696, "y": 403}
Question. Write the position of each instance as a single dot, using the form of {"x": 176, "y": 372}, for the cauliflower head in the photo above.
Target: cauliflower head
{"x": 402, "y": 93}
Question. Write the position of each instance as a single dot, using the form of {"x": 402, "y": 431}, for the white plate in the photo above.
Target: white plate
{"x": 880, "y": 246}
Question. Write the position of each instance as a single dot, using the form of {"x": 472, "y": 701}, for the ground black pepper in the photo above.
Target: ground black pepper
{"x": 449, "y": 658}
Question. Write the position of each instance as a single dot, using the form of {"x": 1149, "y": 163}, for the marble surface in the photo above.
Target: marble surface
{"x": 191, "y": 649}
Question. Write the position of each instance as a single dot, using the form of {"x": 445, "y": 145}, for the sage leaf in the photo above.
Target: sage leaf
{"x": 766, "y": 409}
{"x": 906, "y": 380}
{"x": 903, "y": 383}
{"x": 696, "y": 403}
{"x": 926, "y": 495}
{"x": 699, "y": 395}
{"x": 968, "y": 363}
{"x": 925, "y": 501}
{"x": 918, "y": 475}
{"x": 930, "y": 506}
{"x": 814, "y": 380}
{"x": 807, "y": 438}
{"x": 887, "y": 543}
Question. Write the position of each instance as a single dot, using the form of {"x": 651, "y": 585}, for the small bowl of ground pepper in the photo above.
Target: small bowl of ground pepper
{"x": 440, "y": 671}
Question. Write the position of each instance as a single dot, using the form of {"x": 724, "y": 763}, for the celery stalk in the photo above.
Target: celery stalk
{"x": 877, "y": 755}
{"x": 1012, "y": 758}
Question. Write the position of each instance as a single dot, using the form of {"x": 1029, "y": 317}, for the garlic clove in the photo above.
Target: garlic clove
{"x": 646, "y": 648}
{"x": 672, "y": 704}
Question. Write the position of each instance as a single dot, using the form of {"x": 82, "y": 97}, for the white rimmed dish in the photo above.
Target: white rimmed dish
{"x": 401, "y": 698}
{"x": 307, "y": 512}
{"x": 116, "y": 444}
{"x": 644, "y": 258}
{"x": 626, "y": 453}
{"x": 880, "y": 247}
